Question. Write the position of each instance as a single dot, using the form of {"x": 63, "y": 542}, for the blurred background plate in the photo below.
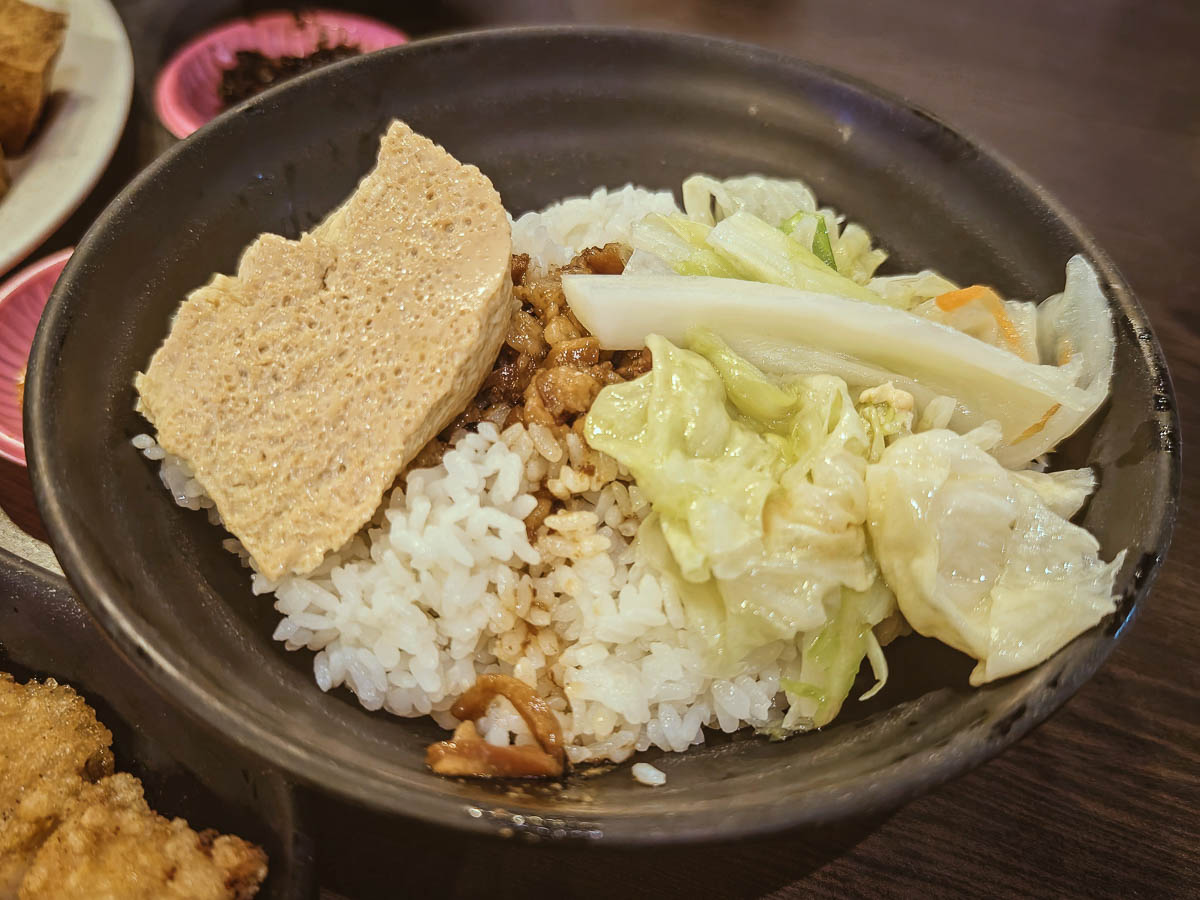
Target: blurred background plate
{"x": 186, "y": 94}
{"x": 22, "y": 299}
{"x": 85, "y": 115}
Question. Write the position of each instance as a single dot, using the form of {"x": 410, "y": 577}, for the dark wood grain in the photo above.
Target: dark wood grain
{"x": 1100, "y": 102}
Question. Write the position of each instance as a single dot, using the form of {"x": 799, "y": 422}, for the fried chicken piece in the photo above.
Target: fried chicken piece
{"x": 31, "y": 39}
{"x": 51, "y": 749}
{"x": 114, "y": 847}
{"x": 70, "y": 828}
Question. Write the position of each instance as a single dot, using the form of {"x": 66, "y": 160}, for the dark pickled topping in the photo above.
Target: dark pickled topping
{"x": 254, "y": 72}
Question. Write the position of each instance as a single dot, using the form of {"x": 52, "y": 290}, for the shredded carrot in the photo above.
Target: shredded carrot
{"x": 1064, "y": 352}
{"x": 952, "y": 300}
{"x": 1038, "y": 425}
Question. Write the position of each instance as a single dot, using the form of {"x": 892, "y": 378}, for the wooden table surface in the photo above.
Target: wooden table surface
{"x": 1099, "y": 100}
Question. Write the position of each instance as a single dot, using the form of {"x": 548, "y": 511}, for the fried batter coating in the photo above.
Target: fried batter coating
{"x": 114, "y": 847}
{"x": 69, "y": 828}
{"x": 51, "y": 749}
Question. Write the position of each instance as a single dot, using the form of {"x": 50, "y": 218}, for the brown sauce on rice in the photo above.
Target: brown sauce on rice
{"x": 550, "y": 368}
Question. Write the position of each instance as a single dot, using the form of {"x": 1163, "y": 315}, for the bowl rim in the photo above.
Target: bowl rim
{"x": 879, "y": 790}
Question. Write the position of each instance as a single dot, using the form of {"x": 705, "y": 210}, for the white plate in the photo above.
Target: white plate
{"x": 86, "y": 112}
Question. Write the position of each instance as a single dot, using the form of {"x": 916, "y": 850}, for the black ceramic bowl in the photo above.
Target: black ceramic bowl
{"x": 548, "y": 113}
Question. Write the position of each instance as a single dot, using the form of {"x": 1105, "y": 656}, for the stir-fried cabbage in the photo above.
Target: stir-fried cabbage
{"x": 767, "y": 254}
{"x": 978, "y": 558}
{"x": 759, "y": 497}
{"x": 853, "y": 454}
{"x": 830, "y": 658}
{"x": 783, "y": 510}
{"x": 978, "y": 311}
{"x": 763, "y": 493}
{"x": 741, "y": 246}
{"x": 774, "y": 200}
{"x": 770, "y": 230}
{"x": 812, "y": 230}
{"x": 683, "y": 245}
{"x": 1064, "y": 491}
{"x": 761, "y": 229}
{"x": 1075, "y": 332}
{"x": 777, "y": 203}
{"x": 887, "y": 414}
{"x": 789, "y": 332}
{"x": 907, "y": 291}
{"x": 707, "y": 473}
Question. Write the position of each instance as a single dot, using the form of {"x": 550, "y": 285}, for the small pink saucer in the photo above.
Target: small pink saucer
{"x": 185, "y": 96}
{"x": 22, "y": 299}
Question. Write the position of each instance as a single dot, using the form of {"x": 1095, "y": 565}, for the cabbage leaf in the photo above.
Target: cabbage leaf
{"x": 978, "y": 559}
{"x": 831, "y": 657}
{"x": 907, "y": 291}
{"x": 769, "y": 255}
{"x": 682, "y": 245}
{"x": 707, "y": 474}
{"x": 787, "y": 333}
{"x": 778, "y": 202}
{"x": 887, "y": 414}
{"x": 774, "y": 200}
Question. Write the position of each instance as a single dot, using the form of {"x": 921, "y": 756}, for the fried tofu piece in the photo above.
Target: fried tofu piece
{"x": 299, "y": 389}
{"x": 30, "y": 40}
{"x": 114, "y": 847}
{"x": 51, "y": 750}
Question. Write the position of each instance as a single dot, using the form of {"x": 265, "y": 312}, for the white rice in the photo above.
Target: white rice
{"x": 556, "y": 235}
{"x": 648, "y": 775}
{"x": 445, "y": 584}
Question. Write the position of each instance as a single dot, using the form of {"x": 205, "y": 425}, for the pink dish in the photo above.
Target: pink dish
{"x": 22, "y": 299}
{"x": 185, "y": 96}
